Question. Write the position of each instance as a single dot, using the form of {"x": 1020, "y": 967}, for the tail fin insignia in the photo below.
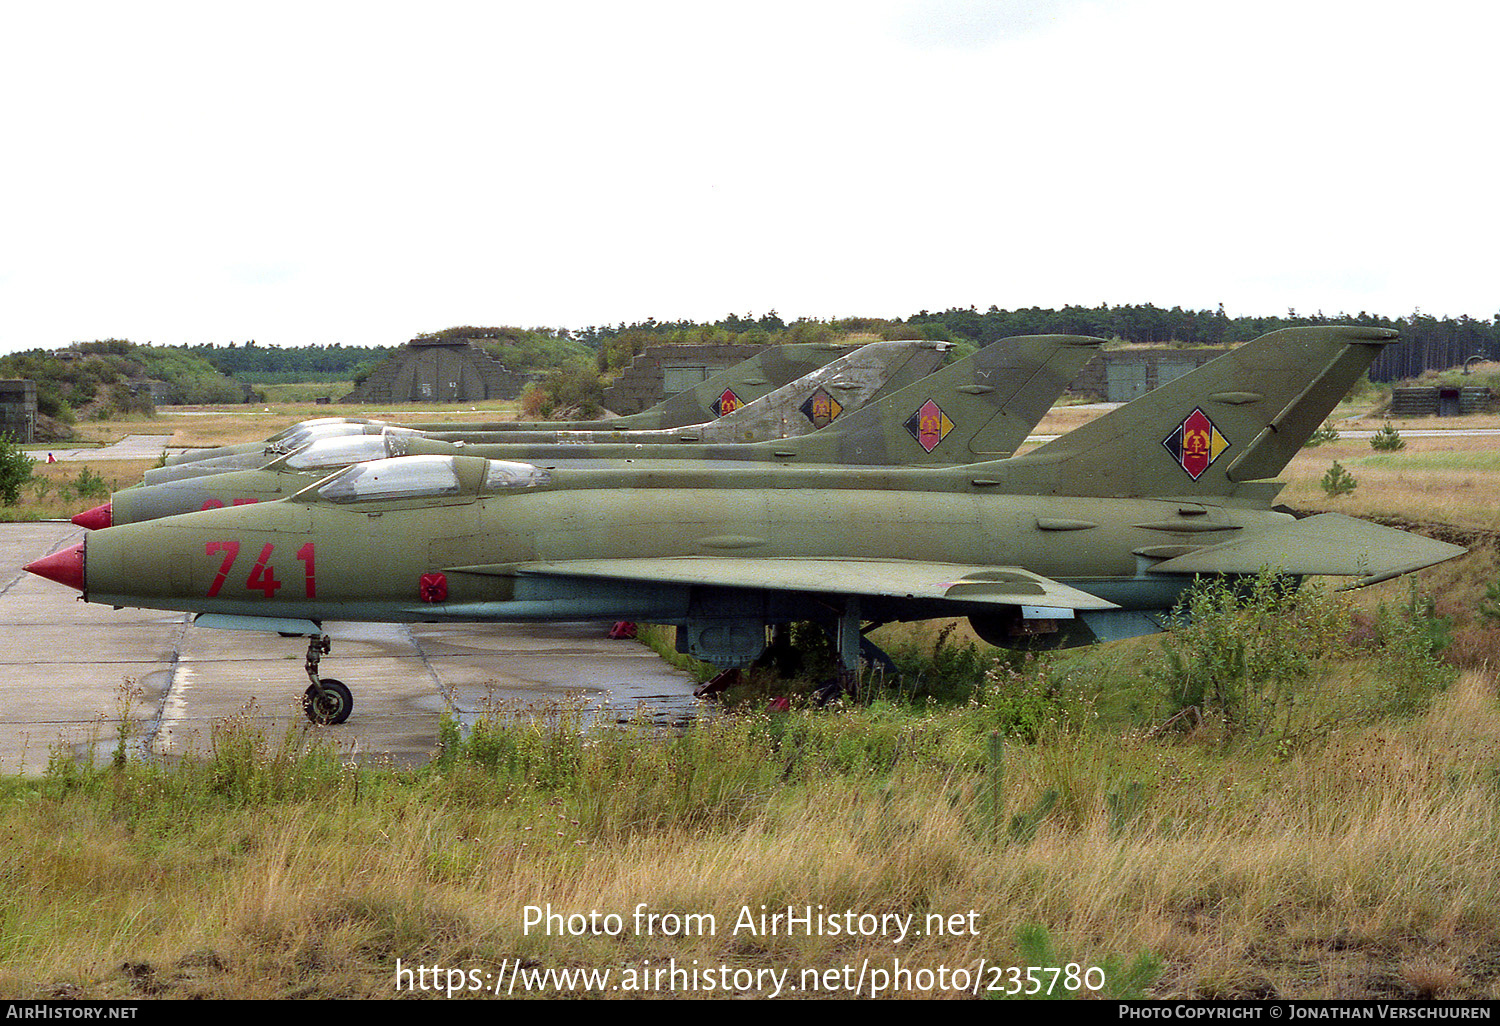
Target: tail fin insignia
{"x": 821, "y": 409}
{"x": 727, "y": 403}
{"x": 929, "y": 425}
{"x": 1196, "y": 443}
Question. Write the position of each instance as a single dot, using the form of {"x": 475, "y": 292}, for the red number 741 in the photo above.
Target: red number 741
{"x": 262, "y": 576}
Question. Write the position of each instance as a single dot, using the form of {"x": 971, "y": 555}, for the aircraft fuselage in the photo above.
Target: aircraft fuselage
{"x": 317, "y": 560}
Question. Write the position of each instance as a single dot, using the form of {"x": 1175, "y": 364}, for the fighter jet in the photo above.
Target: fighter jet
{"x": 985, "y": 405}
{"x": 811, "y": 402}
{"x": 719, "y": 395}
{"x": 808, "y": 404}
{"x": 1091, "y": 537}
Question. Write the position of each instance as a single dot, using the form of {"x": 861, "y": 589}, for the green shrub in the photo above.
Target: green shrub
{"x": 1387, "y": 439}
{"x": 16, "y": 468}
{"x": 89, "y": 485}
{"x": 1338, "y": 481}
{"x": 573, "y": 391}
{"x": 1325, "y": 433}
{"x": 1051, "y": 976}
{"x": 1409, "y": 672}
{"x": 1245, "y": 648}
{"x": 1489, "y": 606}
{"x": 951, "y": 671}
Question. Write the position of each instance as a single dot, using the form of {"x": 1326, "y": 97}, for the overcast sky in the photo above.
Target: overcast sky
{"x": 320, "y": 172}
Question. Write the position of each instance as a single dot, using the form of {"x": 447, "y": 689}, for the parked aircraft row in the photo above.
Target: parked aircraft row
{"x": 906, "y": 502}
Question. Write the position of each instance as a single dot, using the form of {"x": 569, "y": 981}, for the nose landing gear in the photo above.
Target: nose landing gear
{"x": 327, "y": 701}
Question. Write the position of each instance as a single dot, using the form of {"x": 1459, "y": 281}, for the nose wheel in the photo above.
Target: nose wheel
{"x": 326, "y": 701}
{"x": 330, "y": 705}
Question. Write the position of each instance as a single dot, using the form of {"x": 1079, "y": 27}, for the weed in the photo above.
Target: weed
{"x": 1030, "y": 703}
{"x": 1125, "y": 807}
{"x": 992, "y": 805}
{"x": 662, "y": 641}
{"x": 1050, "y": 977}
{"x": 128, "y": 696}
{"x": 1489, "y": 606}
{"x": 1431, "y": 633}
{"x": 1412, "y": 638}
{"x": 950, "y": 672}
{"x": 1023, "y": 824}
{"x": 1245, "y": 649}
{"x": 449, "y": 746}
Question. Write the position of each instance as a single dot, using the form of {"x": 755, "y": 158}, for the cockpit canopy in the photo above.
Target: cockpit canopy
{"x": 428, "y": 477}
{"x": 297, "y": 437}
{"x": 318, "y": 422}
{"x": 341, "y": 451}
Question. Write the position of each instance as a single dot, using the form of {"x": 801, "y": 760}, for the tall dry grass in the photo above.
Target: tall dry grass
{"x": 1364, "y": 865}
{"x": 1446, "y": 480}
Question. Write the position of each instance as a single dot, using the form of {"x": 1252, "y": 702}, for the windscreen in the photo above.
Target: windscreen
{"x": 502, "y": 474}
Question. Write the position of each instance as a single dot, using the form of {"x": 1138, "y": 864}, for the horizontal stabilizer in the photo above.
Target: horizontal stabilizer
{"x": 1329, "y": 543}
{"x": 899, "y": 578}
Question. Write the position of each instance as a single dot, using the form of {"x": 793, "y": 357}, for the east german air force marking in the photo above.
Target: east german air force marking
{"x": 929, "y": 425}
{"x": 1196, "y": 443}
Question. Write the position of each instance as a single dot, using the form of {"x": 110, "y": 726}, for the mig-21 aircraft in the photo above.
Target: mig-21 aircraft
{"x": 718, "y": 396}
{"x": 980, "y": 407}
{"x": 811, "y": 402}
{"x": 1093, "y": 536}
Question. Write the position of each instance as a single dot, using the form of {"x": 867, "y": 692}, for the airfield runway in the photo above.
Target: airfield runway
{"x": 67, "y": 664}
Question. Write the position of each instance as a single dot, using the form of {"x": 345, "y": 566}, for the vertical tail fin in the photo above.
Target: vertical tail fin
{"x": 744, "y": 382}
{"x": 979, "y": 408}
{"x": 797, "y": 408}
{"x": 818, "y": 399}
{"x": 1239, "y": 418}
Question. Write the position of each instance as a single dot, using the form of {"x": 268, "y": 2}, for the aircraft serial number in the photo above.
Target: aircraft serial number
{"x": 262, "y": 576}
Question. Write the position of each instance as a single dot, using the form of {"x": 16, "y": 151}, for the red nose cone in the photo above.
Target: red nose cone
{"x": 64, "y": 567}
{"x": 96, "y": 518}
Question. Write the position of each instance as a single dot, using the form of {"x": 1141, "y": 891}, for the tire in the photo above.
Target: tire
{"x": 337, "y": 702}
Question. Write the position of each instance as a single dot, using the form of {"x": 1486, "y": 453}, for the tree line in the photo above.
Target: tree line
{"x": 258, "y": 363}
{"x": 1426, "y": 343}
{"x": 108, "y": 378}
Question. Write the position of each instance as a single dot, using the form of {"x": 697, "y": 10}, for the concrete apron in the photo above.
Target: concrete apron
{"x": 73, "y": 670}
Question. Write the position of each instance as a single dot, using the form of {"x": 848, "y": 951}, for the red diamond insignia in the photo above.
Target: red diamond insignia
{"x": 1195, "y": 443}
{"x": 929, "y": 425}
{"x": 727, "y": 402}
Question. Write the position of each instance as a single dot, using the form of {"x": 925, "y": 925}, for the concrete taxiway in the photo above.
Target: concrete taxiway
{"x": 72, "y": 669}
{"x": 131, "y": 447}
